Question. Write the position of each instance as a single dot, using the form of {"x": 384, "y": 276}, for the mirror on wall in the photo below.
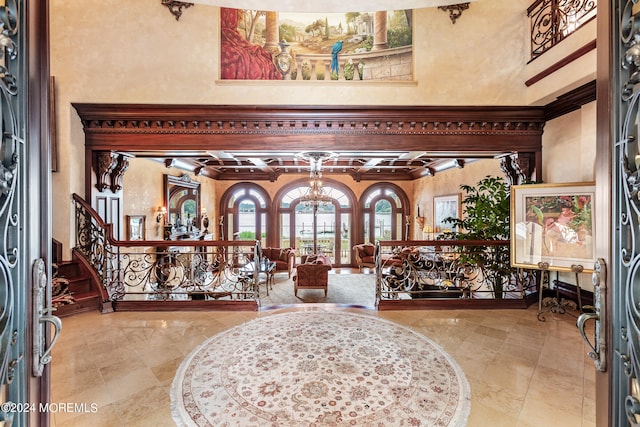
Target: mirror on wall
{"x": 182, "y": 199}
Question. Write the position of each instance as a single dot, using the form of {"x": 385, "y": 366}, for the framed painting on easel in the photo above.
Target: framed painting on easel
{"x": 553, "y": 226}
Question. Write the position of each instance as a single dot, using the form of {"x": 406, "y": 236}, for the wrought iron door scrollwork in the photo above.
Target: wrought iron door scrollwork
{"x": 626, "y": 293}
{"x": 12, "y": 143}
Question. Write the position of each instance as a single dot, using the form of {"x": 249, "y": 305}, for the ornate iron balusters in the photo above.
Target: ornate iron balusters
{"x": 553, "y": 20}
{"x": 445, "y": 272}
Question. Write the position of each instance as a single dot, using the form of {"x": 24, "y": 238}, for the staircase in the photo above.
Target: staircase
{"x": 83, "y": 288}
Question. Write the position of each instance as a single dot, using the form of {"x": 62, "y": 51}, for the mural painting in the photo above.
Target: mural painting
{"x": 262, "y": 45}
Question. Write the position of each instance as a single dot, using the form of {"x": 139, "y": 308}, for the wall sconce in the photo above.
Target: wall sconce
{"x": 205, "y": 220}
{"x": 162, "y": 213}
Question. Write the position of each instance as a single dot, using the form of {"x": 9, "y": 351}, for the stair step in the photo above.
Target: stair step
{"x": 88, "y": 301}
{"x": 79, "y": 284}
{"x": 68, "y": 269}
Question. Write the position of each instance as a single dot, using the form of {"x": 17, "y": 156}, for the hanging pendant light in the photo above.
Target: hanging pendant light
{"x": 316, "y": 194}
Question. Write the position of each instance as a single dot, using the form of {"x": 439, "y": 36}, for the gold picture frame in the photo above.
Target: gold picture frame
{"x": 553, "y": 226}
{"x": 136, "y": 227}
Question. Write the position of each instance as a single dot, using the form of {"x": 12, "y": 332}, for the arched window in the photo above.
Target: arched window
{"x": 384, "y": 210}
{"x": 324, "y": 227}
{"x": 244, "y": 209}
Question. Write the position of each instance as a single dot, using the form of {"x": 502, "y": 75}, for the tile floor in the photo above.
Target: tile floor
{"x": 522, "y": 372}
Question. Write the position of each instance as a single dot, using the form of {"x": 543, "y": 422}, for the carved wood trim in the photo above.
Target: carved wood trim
{"x": 159, "y": 130}
{"x": 564, "y": 61}
{"x": 518, "y": 167}
{"x": 105, "y": 163}
{"x": 118, "y": 172}
{"x": 571, "y": 101}
{"x": 167, "y": 127}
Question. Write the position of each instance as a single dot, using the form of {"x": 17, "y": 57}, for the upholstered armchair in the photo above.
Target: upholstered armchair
{"x": 312, "y": 275}
{"x": 364, "y": 254}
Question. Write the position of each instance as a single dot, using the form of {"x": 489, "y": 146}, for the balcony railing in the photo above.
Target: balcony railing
{"x": 553, "y": 20}
{"x": 443, "y": 269}
{"x": 161, "y": 270}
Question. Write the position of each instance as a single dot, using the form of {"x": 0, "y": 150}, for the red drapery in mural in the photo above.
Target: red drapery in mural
{"x": 239, "y": 59}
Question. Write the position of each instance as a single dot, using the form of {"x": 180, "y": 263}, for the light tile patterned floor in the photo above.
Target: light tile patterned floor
{"x": 522, "y": 372}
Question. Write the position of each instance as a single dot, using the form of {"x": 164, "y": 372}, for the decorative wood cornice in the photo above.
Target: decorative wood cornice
{"x": 126, "y": 126}
{"x": 571, "y": 101}
{"x": 174, "y": 131}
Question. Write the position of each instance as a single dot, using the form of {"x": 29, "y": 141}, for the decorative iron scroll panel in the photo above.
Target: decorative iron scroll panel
{"x": 445, "y": 269}
{"x": 553, "y": 20}
{"x": 12, "y": 279}
{"x": 626, "y": 211}
{"x": 170, "y": 270}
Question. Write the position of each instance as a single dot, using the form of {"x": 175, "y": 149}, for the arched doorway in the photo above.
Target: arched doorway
{"x": 384, "y": 211}
{"x": 245, "y": 212}
{"x": 324, "y": 227}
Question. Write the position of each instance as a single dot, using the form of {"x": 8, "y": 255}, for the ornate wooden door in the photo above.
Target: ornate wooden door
{"x": 25, "y": 239}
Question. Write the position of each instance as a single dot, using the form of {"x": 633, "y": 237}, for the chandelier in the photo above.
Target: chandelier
{"x": 316, "y": 194}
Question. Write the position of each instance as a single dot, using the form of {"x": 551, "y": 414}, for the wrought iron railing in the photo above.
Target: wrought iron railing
{"x": 553, "y": 20}
{"x": 162, "y": 270}
{"x": 448, "y": 269}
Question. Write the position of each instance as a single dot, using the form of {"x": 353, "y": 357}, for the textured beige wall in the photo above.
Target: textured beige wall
{"x": 125, "y": 51}
{"x": 569, "y": 147}
{"x": 447, "y": 183}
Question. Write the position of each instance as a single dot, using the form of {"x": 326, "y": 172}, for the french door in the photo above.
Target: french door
{"x": 323, "y": 229}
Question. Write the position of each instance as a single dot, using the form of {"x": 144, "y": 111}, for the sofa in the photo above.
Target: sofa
{"x": 312, "y": 274}
{"x": 285, "y": 258}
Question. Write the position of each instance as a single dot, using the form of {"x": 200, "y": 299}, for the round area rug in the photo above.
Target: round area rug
{"x": 319, "y": 368}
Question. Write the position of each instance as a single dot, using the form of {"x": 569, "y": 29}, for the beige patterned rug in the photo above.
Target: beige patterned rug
{"x": 319, "y": 368}
{"x": 350, "y": 289}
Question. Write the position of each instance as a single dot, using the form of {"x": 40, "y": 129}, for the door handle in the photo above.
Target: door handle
{"x": 41, "y": 318}
{"x": 599, "y": 345}
{"x": 57, "y": 327}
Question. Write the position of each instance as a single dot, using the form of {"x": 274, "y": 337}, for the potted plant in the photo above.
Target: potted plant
{"x": 486, "y": 217}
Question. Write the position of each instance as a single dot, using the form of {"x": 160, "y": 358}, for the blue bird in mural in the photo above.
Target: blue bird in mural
{"x": 337, "y": 47}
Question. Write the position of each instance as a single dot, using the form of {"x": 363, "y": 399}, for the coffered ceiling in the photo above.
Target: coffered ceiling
{"x": 359, "y": 165}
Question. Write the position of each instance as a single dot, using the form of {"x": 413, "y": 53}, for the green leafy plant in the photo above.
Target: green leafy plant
{"x": 486, "y": 217}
